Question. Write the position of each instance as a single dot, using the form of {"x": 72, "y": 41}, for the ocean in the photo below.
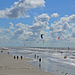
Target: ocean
{"x": 60, "y": 61}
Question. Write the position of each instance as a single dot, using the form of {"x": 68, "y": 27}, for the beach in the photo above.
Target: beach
{"x": 11, "y": 66}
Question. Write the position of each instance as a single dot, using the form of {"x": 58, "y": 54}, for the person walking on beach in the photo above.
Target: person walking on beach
{"x": 40, "y": 63}
{"x": 14, "y": 57}
{"x": 8, "y": 52}
{"x": 35, "y": 56}
{"x": 21, "y": 57}
{"x": 40, "y": 60}
{"x": 17, "y": 57}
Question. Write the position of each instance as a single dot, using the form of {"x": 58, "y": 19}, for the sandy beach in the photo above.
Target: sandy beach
{"x": 11, "y": 66}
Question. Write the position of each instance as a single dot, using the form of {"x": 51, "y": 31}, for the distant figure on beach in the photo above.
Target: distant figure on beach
{"x": 1, "y": 51}
{"x": 35, "y": 56}
{"x": 65, "y": 57}
{"x": 21, "y": 57}
{"x": 17, "y": 57}
{"x": 66, "y": 73}
{"x": 40, "y": 63}
{"x": 14, "y": 57}
{"x": 68, "y": 48}
{"x": 40, "y": 60}
{"x": 61, "y": 52}
{"x": 8, "y": 52}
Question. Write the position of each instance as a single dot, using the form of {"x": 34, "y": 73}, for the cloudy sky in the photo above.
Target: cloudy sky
{"x": 23, "y": 21}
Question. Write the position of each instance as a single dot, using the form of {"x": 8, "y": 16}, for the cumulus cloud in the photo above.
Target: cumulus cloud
{"x": 41, "y": 20}
{"x": 33, "y": 32}
{"x": 73, "y": 32}
{"x": 54, "y": 15}
{"x": 72, "y": 18}
{"x": 64, "y": 27}
{"x": 18, "y": 32}
{"x": 21, "y": 26}
{"x": 4, "y": 34}
{"x": 20, "y": 8}
{"x": 40, "y": 23}
{"x": 11, "y": 25}
{"x": 21, "y": 31}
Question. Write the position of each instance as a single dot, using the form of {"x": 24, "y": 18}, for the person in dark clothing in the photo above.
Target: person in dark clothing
{"x": 17, "y": 57}
{"x": 8, "y": 52}
{"x": 35, "y": 56}
{"x": 21, "y": 57}
{"x": 40, "y": 60}
{"x": 14, "y": 57}
{"x": 40, "y": 63}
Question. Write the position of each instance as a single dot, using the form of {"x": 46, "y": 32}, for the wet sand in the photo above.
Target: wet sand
{"x": 11, "y": 66}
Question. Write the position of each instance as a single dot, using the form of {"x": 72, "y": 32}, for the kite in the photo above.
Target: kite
{"x": 58, "y": 37}
{"x": 4, "y": 48}
{"x": 43, "y": 41}
{"x": 42, "y": 36}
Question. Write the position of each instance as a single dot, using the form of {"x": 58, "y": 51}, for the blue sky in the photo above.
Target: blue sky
{"x": 22, "y": 20}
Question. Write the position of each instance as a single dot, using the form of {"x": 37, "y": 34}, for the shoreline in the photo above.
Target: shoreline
{"x": 11, "y": 66}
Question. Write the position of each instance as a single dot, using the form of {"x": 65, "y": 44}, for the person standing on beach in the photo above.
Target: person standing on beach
{"x": 17, "y": 57}
{"x": 35, "y": 56}
{"x": 40, "y": 63}
{"x": 21, "y": 57}
{"x": 14, "y": 57}
{"x": 8, "y": 52}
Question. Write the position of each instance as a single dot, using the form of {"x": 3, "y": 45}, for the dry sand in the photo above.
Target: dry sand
{"x": 11, "y": 66}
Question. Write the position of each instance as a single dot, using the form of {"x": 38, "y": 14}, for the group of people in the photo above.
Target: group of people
{"x": 18, "y": 57}
{"x": 39, "y": 60}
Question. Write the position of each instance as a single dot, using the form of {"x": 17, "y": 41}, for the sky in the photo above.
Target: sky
{"x": 23, "y": 21}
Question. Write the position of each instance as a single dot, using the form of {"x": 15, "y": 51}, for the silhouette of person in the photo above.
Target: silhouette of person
{"x": 17, "y": 57}
{"x": 8, "y": 52}
{"x": 68, "y": 48}
{"x": 40, "y": 63}
{"x": 21, "y": 57}
{"x": 14, "y": 57}
{"x": 40, "y": 60}
{"x": 35, "y": 56}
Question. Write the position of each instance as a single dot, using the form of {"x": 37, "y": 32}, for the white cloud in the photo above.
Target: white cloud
{"x": 73, "y": 34}
{"x": 11, "y": 25}
{"x": 64, "y": 27}
{"x": 41, "y": 18}
{"x": 23, "y": 31}
{"x": 21, "y": 26}
{"x": 64, "y": 19}
{"x": 54, "y": 15}
{"x": 72, "y": 18}
{"x": 40, "y": 23}
{"x": 19, "y": 9}
{"x": 18, "y": 32}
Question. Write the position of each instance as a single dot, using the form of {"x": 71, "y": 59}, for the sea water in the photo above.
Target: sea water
{"x": 52, "y": 59}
